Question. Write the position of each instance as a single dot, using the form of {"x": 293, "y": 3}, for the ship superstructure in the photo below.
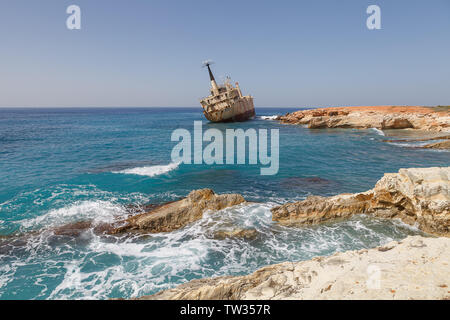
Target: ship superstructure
{"x": 226, "y": 103}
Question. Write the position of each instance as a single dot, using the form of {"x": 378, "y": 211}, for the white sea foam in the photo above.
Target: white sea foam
{"x": 150, "y": 171}
{"x": 139, "y": 265}
{"x": 412, "y": 144}
{"x": 399, "y": 223}
{"x": 5, "y": 269}
{"x": 418, "y": 144}
{"x": 274, "y": 117}
{"x": 378, "y": 131}
{"x": 101, "y": 211}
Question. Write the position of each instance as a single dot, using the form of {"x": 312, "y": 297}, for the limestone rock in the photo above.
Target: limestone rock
{"x": 175, "y": 215}
{"x": 238, "y": 233}
{"x": 443, "y": 144}
{"x": 415, "y": 268}
{"x": 317, "y": 209}
{"x": 396, "y": 123}
{"x": 381, "y": 117}
{"x": 416, "y": 196}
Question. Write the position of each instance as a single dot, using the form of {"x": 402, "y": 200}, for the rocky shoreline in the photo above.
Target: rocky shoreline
{"x": 414, "y": 268}
{"x": 418, "y": 196}
{"x": 417, "y": 267}
{"x": 435, "y": 120}
{"x": 379, "y": 117}
{"x": 150, "y": 218}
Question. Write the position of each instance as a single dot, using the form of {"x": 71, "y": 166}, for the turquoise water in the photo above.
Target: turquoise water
{"x": 66, "y": 165}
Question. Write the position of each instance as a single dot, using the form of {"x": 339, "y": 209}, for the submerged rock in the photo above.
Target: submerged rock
{"x": 438, "y": 145}
{"x": 238, "y": 233}
{"x": 416, "y": 196}
{"x": 309, "y": 184}
{"x": 415, "y": 268}
{"x": 151, "y": 219}
{"x": 438, "y": 137}
{"x": 76, "y": 229}
{"x": 444, "y": 144}
{"x": 175, "y": 215}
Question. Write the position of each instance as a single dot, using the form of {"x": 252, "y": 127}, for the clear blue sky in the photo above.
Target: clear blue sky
{"x": 285, "y": 53}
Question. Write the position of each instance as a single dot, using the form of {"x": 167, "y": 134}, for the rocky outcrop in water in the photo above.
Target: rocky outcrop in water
{"x": 237, "y": 233}
{"x": 418, "y": 196}
{"x": 382, "y": 117}
{"x": 175, "y": 215}
{"x": 444, "y": 142}
{"x": 414, "y": 268}
{"x": 438, "y": 145}
{"x": 152, "y": 218}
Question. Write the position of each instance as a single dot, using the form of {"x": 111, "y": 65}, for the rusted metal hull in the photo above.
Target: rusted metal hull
{"x": 241, "y": 110}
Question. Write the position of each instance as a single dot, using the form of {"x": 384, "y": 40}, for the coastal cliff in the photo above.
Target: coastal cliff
{"x": 414, "y": 268}
{"x": 380, "y": 117}
{"x": 418, "y": 196}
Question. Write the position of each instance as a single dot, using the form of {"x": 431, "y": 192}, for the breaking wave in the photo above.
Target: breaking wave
{"x": 417, "y": 144}
{"x": 95, "y": 210}
{"x": 102, "y": 268}
{"x": 150, "y": 171}
{"x": 378, "y": 131}
{"x": 274, "y": 117}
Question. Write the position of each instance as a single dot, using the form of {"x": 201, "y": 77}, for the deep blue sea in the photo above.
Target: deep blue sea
{"x": 59, "y": 166}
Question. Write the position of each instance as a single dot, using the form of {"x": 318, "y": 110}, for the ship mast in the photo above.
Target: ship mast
{"x": 214, "y": 87}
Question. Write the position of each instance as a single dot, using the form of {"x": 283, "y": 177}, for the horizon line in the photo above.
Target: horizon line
{"x": 199, "y": 107}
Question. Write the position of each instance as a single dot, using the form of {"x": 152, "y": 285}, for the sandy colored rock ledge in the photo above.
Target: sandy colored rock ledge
{"x": 380, "y": 117}
{"x": 237, "y": 233}
{"x": 438, "y": 145}
{"x": 417, "y": 196}
{"x": 415, "y": 268}
{"x": 443, "y": 144}
{"x": 156, "y": 218}
{"x": 175, "y": 215}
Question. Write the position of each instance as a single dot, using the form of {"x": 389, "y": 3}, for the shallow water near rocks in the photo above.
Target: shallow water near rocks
{"x": 67, "y": 165}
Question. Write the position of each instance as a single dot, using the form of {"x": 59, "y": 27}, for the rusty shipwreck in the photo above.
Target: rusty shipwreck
{"x": 226, "y": 103}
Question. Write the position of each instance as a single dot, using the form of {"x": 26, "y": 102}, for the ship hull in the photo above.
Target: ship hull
{"x": 241, "y": 110}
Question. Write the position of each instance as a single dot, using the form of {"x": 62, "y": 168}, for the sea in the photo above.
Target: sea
{"x": 61, "y": 166}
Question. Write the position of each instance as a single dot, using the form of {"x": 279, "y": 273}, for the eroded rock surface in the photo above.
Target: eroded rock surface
{"x": 415, "y": 268}
{"x": 175, "y": 215}
{"x": 444, "y": 142}
{"x": 237, "y": 233}
{"x": 438, "y": 145}
{"x": 417, "y": 196}
{"x": 380, "y": 117}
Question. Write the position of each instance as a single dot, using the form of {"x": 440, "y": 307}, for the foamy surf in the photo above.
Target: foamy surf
{"x": 135, "y": 266}
{"x": 378, "y": 131}
{"x": 274, "y": 117}
{"x": 150, "y": 171}
{"x": 416, "y": 144}
{"x": 98, "y": 211}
